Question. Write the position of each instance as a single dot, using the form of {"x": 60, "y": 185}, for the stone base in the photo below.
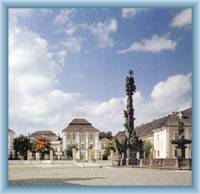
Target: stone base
{"x": 123, "y": 162}
{"x": 132, "y": 161}
{"x": 116, "y": 162}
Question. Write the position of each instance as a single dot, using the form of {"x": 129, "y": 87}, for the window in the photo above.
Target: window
{"x": 175, "y": 153}
{"x": 68, "y": 136}
{"x": 158, "y": 137}
{"x": 82, "y": 146}
{"x": 175, "y": 135}
{"x": 158, "y": 153}
{"x": 91, "y": 146}
{"x": 74, "y": 136}
{"x": 190, "y": 135}
{"x": 91, "y": 137}
{"x": 82, "y": 137}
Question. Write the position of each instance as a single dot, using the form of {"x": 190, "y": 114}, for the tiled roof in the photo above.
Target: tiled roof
{"x": 79, "y": 122}
{"x": 120, "y": 136}
{"x": 170, "y": 120}
{"x": 43, "y": 133}
{"x": 80, "y": 125}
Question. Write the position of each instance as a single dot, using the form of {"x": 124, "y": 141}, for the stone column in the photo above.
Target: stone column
{"x": 89, "y": 154}
{"x": 74, "y": 153}
{"x": 37, "y": 155}
{"x": 96, "y": 146}
{"x": 86, "y": 145}
{"x": 51, "y": 155}
{"x": 111, "y": 155}
{"x": 28, "y": 155}
{"x": 138, "y": 155}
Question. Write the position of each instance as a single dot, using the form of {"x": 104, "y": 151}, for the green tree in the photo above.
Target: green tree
{"x": 121, "y": 146}
{"x": 137, "y": 144}
{"x": 147, "y": 148}
{"x": 109, "y": 146}
{"x": 21, "y": 145}
{"x": 107, "y": 135}
{"x": 68, "y": 151}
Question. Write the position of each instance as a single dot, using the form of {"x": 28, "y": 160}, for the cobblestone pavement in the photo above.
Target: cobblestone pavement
{"x": 74, "y": 176}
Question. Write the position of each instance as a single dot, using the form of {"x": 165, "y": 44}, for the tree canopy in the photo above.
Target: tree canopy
{"x": 107, "y": 135}
{"x": 21, "y": 145}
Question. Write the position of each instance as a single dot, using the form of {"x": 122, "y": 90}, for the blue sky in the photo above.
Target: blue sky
{"x": 67, "y": 63}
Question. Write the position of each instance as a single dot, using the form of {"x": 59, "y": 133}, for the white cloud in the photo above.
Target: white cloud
{"x": 182, "y": 19}
{"x": 63, "y": 16}
{"x": 36, "y": 102}
{"x": 26, "y": 12}
{"x": 102, "y": 31}
{"x": 155, "y": 44}
{"x": 72, "y": 44}
{"x": 172, "y": 94}
{"x": 79, "y": 76}
{"x": 131, "y": 12}
{"x": 166, "y": 91}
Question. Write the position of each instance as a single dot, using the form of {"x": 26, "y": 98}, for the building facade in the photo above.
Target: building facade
{"x": 54, "y": 140}
{"x": 11, "y": 136}
{"x": 161, "y": 132}
{"x": 46, "y": 134}
{"x": 81, "y": 133}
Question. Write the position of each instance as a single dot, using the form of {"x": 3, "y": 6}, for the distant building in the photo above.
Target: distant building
{"x": 161, "y": 131}
{"x": 54, "y": 140}
{"x": 81, "y": 133}
{"x": 120, "y": 135}
{"x": 57, "y": 146}
{"x": 11, "y": 136}
{"x": 102, "y": 145}
{"x": 46, "y": 134}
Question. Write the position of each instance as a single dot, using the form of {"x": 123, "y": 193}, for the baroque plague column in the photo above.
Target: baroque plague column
{"x": 129, "y": 120}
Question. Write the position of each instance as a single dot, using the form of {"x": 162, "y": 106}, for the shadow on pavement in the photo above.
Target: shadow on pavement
{"x": 49, "y": 181}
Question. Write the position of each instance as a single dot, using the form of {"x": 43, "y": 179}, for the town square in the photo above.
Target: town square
{"x": 100, "y": 97}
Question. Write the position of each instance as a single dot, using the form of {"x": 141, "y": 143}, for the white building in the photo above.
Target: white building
{"x": 161, "y": 132}
{"x": 11, "y": 136}
{"x": 81, "y": 133}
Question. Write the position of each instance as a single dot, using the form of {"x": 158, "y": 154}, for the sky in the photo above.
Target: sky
{"x": 72, "y": 63}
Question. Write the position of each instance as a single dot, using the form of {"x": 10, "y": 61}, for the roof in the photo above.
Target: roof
{"x": 43, "y": 133}
{"x": 120, "y": 136}
{"x": 79, "y": 122}
{"x": 10, "y": 130}
{"x": 80, "y": 125}
{"x": 170, "y": 120}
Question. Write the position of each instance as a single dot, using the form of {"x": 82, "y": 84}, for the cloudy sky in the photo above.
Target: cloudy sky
{"x": 72, "y": 63}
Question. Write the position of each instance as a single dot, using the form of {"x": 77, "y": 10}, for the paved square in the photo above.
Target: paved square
{"x": 73, "y": 176}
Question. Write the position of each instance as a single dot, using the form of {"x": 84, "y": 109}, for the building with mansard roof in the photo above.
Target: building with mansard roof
{"x": 160, "y": 132}
{"x": 84, "y": 135}
{"x": 46, "y": 134}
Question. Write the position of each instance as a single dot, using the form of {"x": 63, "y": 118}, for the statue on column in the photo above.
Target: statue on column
{"x": 181, "y": 142}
